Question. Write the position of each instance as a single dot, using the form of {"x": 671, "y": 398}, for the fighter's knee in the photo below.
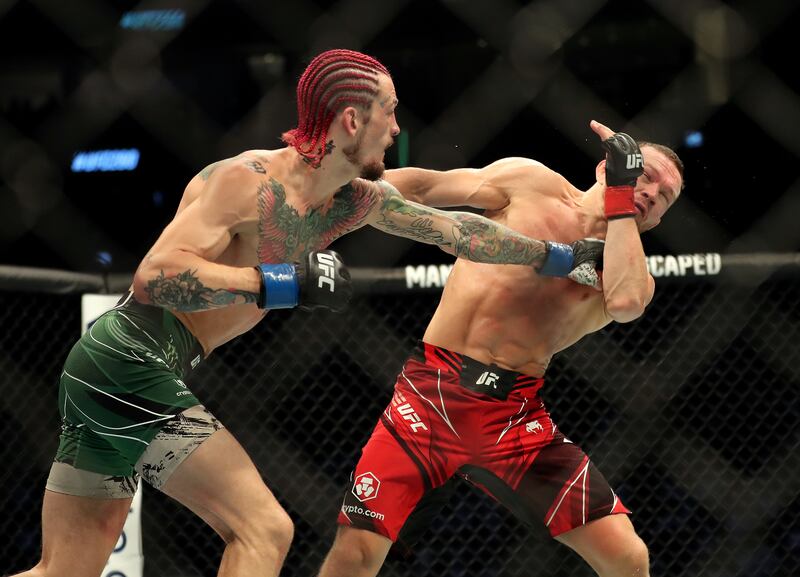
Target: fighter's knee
{"x": 269, "y": 526}
{"x": 364, "y": 553}
{"x": 281, "y": 529}
{"x": 361, "y": 551}
{"x": 631, "y": 561}
{"x": 639, "y": 559}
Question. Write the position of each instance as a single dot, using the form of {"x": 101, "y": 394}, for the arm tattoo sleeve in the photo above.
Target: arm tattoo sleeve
{"x": 462, "y": 234}
{"x": 482, "y": 240}
{"x": 186, "y": 293}
{"x": 415, "y": 222}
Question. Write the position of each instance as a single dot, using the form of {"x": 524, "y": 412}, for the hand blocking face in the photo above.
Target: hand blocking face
{"x": 624, "y": 164}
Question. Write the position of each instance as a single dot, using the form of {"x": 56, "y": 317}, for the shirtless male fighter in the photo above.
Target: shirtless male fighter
{"x": 467, "y": 400}
{"x": 247, "y": 237}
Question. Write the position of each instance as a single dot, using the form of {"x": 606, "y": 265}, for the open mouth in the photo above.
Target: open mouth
{"x": 640, "y": 208}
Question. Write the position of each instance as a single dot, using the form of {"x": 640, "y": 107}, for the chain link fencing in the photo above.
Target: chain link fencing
{"x": 691, "y": 412}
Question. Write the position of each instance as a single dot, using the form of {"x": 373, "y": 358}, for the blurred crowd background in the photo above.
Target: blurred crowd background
{"x": 165, "y": 88}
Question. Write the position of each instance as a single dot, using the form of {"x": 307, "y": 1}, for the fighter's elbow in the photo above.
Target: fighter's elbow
{"x": 414, "y": 196}
{"x": 141, "y": 283}
{"x": 150, "y": 269}
{"x": 454, "y": 251}
{"x": 624, "y": 309}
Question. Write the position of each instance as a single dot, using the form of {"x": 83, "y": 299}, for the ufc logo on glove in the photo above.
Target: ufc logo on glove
{"x": 634, "y": 161}
{"x": 325, "y": 263}
{"x": 303, "y": 284}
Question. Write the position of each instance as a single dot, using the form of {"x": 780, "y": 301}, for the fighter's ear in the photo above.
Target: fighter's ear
{"x": 350, "y": 120}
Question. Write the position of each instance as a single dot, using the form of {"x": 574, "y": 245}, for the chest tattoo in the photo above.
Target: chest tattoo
{"x": 285, "y": 236}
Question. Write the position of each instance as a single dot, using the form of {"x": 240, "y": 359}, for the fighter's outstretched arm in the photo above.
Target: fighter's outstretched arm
{"x": 457, "y": 187}
{"x": 491, "y": 187}
{"x": 473, "y": 237}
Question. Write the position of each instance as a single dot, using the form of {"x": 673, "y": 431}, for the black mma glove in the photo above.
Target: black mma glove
{"x": 324, "y": 282}
{"x": 624, "y": 165}
{"x": 321, "y": 281}
{"x": 578, "y": 261}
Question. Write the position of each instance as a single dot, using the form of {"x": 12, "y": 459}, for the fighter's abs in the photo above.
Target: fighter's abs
{"x": 517, "y": 320}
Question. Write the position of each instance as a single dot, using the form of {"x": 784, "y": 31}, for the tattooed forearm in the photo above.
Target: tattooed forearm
{"x": 186, "y": 293}
{"x": 421, "y": 229}
{"x": 482, "y": 240}
{"x": 462, "y": 234}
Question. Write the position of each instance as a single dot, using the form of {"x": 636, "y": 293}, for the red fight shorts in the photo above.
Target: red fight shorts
{"x": 451, "y": 414}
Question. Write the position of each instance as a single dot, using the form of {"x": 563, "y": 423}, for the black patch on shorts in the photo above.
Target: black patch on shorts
{"x": 115, "y": 405}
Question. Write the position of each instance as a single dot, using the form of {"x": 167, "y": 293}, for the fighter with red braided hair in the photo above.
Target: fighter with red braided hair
{"x": 249, "y": 236}
{"x": 334, "y": 79}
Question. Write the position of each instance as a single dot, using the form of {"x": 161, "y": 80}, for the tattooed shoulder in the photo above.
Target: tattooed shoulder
{"x": 206, "y": 173}
{"x": 369, "y": 192}
{"x": 255, "y": 165}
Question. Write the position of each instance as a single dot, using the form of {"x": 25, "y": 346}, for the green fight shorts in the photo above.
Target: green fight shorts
{"x": 122, "y": 382}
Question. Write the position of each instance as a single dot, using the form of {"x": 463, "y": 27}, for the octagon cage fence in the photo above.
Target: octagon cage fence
{"x": 691, "y": 412}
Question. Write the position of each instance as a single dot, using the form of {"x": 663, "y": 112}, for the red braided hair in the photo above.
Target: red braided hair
{"x": 333, "y": 80}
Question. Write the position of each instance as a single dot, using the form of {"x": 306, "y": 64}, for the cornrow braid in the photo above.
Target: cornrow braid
{"x": 332, "y": 81}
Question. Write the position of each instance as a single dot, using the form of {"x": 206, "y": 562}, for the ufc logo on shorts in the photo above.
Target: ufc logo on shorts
{"x": 634, "y": 161}
{"x": 366, "y": 487}
{"x": 410, "y": 415}
{"x": 488, "y": 379}
{"x": 326, "y": 264}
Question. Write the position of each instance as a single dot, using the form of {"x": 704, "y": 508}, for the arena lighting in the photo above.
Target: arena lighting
{"x": 104, "y": 257}
{"x": 153, "y": 20}
{"x": 693, "y": 139}
{"x": 113, "y": 160}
